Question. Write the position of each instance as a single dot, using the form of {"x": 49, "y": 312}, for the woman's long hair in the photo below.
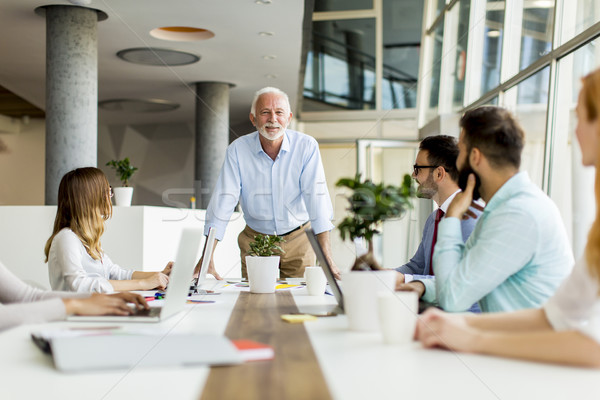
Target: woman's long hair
{"x": 83, "y": 206}
{"x": 590, "y": 100}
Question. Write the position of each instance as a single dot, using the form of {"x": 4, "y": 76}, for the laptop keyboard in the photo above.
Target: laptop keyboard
{"x": 151, "y": 312}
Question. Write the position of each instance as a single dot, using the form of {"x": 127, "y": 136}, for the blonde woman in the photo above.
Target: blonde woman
{"x": 566, "y": 329}
{"x": 75, "y": 257}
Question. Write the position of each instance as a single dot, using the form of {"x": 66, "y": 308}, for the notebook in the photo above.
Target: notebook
{"x": 177, "y": 290}
{"x": 333, "y": 284}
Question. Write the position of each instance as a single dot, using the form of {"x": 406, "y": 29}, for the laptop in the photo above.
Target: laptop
{"x": 333, "y": 284}
{"x": 206, "y": 256}
{"x": 177, "y": 290}
{"x": 107, "y": 349}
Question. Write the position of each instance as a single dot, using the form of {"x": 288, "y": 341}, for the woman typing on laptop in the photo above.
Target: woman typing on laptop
{"x": 21, "y": 303}
{"x": 75, "y": 257}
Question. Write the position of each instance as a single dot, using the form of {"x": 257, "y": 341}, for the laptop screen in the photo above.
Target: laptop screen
{"x": 335, "y": 288}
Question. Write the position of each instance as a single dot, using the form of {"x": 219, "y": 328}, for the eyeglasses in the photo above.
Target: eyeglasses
{"x": 110, "y": 192}
{"x": 417, "y": 168}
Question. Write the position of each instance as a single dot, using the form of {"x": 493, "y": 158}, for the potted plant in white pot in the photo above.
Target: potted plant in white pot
{"x": 370, "y": 205}
{"x": 262, "y": 263}
{"x": 124, "y": 171}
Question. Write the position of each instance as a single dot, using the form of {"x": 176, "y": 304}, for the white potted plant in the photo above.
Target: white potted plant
{"x": 262, "y": 263}
{"x": 124, "y": 171}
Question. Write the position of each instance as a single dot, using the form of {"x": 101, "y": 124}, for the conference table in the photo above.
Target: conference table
{"x": 319, "y": 359}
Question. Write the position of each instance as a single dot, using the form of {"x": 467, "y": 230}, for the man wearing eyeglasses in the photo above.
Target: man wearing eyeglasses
{"x": 437, "y": 178}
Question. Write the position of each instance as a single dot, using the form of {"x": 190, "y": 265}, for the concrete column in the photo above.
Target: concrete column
{"x": 71, "y": 91}
{"x": 212, "y": 137}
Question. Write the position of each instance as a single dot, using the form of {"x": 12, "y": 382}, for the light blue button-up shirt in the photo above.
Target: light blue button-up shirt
{"x": 516, "y": 257}
{"x": 277, "y": 195}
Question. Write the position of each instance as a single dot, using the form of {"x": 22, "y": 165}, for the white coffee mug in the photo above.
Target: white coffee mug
{"x": 315, "y": 281}
{"x": 397, "y": 316}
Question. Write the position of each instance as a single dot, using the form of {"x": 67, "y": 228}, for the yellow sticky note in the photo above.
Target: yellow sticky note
{"x": 298, "y": 318}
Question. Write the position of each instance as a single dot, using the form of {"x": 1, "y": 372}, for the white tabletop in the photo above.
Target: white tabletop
{"x": 355, "y": 365}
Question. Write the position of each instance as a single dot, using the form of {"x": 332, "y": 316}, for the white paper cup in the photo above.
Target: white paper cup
{"x": 315, "y": 281}
{"x": 360, "y": 297}
{"x": 397, "y": 316}
{"x": 262, "y": 273}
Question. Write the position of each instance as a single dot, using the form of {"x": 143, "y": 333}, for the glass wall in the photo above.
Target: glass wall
{"x": 492, "y": 45}
{"x": 341, "y": 65}
{"x": 536, "y": 32}
{"x": 531, "y": 110}
{"x": 577, "y": 16}
{"x": 571, "y": 184}
{"x": 369, "y": 63}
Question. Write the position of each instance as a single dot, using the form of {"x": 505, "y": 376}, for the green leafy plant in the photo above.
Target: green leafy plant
{"x": 370, "y": 205}
{"x": 123, "y": 168}
{"x": 266, "y": 246}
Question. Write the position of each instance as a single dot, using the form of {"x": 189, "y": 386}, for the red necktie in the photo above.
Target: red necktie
{"x": 438, "y": 216}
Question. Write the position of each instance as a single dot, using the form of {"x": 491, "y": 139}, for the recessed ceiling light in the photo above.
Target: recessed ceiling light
{"x": 270, "y": 76}
{"x": 266, "y": 33}
{"x": 138, "y": 105}
{"x": 154, "y": 56}
{"x": 181, "y": 33}
{"x": 263, "y": 2}
{"x": 269, "y": 57}
{"x": 493, "y": 34}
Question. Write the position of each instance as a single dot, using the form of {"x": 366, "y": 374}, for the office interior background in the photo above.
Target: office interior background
{"x": 366, "y": 78}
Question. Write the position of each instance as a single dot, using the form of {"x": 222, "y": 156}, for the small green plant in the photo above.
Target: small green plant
{"x": 266, "y": 246}
{"x": 370, "y": 205}
{"x": 123, "y": 169}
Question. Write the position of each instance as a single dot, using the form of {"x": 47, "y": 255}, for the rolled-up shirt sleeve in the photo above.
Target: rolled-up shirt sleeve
{"x": 575, "y": 305}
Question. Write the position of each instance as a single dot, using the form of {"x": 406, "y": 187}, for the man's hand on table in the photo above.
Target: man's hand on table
{"x": 413, "y": 286}
{"x": 399, "y": 280}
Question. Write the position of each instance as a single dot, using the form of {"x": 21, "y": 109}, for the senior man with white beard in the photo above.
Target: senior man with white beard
{"x": 277, "y": 176}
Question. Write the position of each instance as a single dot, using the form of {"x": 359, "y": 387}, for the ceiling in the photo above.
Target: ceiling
{"x": 235, "y": 55}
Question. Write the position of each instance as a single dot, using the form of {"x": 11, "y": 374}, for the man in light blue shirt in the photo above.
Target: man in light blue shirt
{"x": 277, "y": 176}
{"x": 518, "y": 254}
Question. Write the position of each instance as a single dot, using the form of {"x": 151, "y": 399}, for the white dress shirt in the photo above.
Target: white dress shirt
{"x": 277, "y": 195}
{"x": 72, "y": 269}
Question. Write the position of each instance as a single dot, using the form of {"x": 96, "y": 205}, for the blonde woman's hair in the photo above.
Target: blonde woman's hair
{"x": 590, "y": 101}
{"x": 83, "y": 206}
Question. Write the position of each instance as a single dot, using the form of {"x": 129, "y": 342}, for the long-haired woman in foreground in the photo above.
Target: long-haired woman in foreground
{"x": 73, "y": 251}
{"x": 567, "y": 328}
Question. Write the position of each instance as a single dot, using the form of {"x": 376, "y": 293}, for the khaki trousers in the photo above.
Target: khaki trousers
{"x": 298, "y": 252}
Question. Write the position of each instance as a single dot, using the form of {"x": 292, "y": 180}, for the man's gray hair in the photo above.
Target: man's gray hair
{"x": 268, "y": 89}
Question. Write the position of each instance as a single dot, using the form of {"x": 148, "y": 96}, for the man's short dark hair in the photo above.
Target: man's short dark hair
{"x": 496, "y": 133}
{"x": 442, "y": 150}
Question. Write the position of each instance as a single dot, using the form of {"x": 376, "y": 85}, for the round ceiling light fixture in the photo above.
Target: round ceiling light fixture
{"x": 181, "y": 33}
{"x": 138, "y": 105}
{"x": 159, "y": 57}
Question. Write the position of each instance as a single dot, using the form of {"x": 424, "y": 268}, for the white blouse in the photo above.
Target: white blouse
{"x": 72, "y": 268}
{"x": 576, "y": 304}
